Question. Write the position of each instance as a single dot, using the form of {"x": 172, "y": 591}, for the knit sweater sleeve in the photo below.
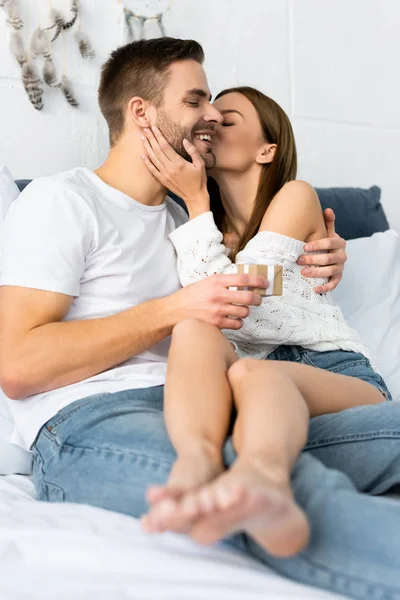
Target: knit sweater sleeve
{"x": 199, "y": 248}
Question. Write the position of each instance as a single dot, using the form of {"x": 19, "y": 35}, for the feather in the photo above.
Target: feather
{"x": 74, "y": 10}
{"x": 13, "y": 14}
{"x": 161, "y": 24}
{"x": 17, "y": 47}
{"x": 50, "y": 74}
{"x": 58, "y": 23}
{"x": 128, "y": 17}
{"x": 142, "y": 21}
{"x": 67, "y": 91}
{"x": 85, "y": 47}
{"x": 31, "y": 81}
{"x": 40, "y": 43}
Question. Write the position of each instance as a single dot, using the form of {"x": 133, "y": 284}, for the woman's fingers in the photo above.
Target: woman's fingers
{"x": 155, "y": 145}
{"x": 163, "y": 145}
{"x": 153, "y": 169}
{"x": 151, "y": 154}
{"x": 194, "y": 154}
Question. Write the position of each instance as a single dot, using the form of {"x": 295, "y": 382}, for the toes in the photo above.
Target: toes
{"x": 228, "y": 496}
{"x": 207, "y": 500}
{"x": 190, "y": 506}
{"x": 162, "y": 514}
{"x": 155, "y": 493}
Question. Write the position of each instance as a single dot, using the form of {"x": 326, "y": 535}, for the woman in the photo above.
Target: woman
{"x": 316, "y": 363}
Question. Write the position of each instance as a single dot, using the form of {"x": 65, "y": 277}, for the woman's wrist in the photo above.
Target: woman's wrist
{"x": 198, "y": 206}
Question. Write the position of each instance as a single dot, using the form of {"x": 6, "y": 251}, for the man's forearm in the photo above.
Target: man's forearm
{"x": 58, "y": 354}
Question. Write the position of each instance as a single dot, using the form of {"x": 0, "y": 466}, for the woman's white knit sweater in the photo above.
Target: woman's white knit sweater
{"x": 298, "y": 317}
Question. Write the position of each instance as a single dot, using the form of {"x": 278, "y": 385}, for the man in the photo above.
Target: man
{"x": 89, "y": 297}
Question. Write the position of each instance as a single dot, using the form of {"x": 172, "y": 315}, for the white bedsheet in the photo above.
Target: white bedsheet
{"x": 76, "y": 552}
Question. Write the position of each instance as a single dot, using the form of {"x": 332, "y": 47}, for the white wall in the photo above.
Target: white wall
{"x": 334, "y": 65}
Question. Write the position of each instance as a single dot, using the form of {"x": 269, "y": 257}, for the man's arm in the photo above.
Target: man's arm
{"x": 40, "y": 352}
{"x": 325, "y": 265}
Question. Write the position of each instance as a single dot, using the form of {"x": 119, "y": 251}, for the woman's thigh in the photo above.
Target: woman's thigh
{"x": 327, "y": 391}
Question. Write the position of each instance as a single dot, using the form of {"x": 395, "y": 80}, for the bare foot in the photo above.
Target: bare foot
{"x": 249, "y": 500}
{"x": 190, "y": 471}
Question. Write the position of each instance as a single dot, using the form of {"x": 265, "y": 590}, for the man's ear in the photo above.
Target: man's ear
{"x": 139, "y": 111}
{"x": 266, "y": 154}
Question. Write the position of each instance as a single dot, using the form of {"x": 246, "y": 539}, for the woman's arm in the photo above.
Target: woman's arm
{"x": 198, "y": 244}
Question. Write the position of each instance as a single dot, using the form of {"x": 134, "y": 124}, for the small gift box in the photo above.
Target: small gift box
{"x": 271, "y": 272}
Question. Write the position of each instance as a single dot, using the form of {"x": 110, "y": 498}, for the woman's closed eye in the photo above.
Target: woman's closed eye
{"x": 225, "y": 124}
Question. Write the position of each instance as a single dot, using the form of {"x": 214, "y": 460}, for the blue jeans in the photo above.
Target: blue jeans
{"x": 105, "y": 450}
{"x": 352, "y": 364}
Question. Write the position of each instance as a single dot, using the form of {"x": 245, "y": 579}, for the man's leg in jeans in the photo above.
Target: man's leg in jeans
{"x": 106, "y": 451}
{"x": 363, "y": 442}
{"x": 353, "y": 548}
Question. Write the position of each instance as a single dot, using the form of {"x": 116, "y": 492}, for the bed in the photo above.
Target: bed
{"x": 68, "y": 551}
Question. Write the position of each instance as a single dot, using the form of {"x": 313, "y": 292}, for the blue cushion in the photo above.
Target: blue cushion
{"x": 359, "y": 212}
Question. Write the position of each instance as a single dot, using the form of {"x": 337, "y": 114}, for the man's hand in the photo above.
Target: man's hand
{"x": 329, "y": 264}
{"x": 212, "y": 301}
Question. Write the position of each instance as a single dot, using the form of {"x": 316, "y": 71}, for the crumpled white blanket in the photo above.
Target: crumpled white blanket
{"x": 77, "y": 552}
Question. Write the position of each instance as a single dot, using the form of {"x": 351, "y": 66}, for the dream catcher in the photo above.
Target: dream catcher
{"x": 36, "y": 60}
{"x": 145, "y": 13}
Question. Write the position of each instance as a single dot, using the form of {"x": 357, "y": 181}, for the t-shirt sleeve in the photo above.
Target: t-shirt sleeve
{"x": 45, "y": 239}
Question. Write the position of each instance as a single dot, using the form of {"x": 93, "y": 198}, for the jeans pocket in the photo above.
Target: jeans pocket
{"x": 65, "y": 413}
{"x": 49, "y": 492}
{"x": 45, "y": 490}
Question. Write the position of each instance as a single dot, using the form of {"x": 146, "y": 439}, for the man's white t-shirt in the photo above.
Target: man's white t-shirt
{"x": 73, "y": 234}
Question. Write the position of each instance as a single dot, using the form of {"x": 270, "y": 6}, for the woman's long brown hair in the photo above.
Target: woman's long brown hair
{"x": 276, "y": 130}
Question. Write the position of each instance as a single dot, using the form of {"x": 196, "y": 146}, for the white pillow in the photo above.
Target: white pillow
{"x": 12, "y": 458}
{"x": 8, "y": 192}
{"x": 369, "y": 295}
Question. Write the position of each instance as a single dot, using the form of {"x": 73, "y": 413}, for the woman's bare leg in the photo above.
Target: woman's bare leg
{"x": 197, "y": 406}
{"x": 274, "y": 401}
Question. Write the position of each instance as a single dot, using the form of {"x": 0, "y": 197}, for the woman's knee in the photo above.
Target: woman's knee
{"x": 247, "y": 367}
{"x": 242, "y": 369}
{"x": 191, "y": 327}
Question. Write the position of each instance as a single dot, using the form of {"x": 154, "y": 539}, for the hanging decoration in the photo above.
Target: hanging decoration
{"x": 40, "y": 48}
{"x": 136, "y": 21}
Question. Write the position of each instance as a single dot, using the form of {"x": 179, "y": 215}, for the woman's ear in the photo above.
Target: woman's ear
{"x": 266, "y": 154}
{"x": 138, "y": 111}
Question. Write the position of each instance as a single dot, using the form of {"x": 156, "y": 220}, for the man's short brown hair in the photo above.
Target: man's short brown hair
{"x": 139, "y": 69}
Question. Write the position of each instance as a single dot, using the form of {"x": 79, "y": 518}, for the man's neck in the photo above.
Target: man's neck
{"x": 238, "y": 193}
{"x": 125, "y": 171}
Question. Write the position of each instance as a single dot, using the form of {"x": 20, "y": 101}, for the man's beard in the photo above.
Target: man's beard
{"x": 175, "y": 134}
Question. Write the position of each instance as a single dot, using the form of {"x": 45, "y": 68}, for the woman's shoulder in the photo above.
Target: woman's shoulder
{"x": 300, "y": 188}
{"x": 296, "y": 195}
{"x": 294, "y": 211}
